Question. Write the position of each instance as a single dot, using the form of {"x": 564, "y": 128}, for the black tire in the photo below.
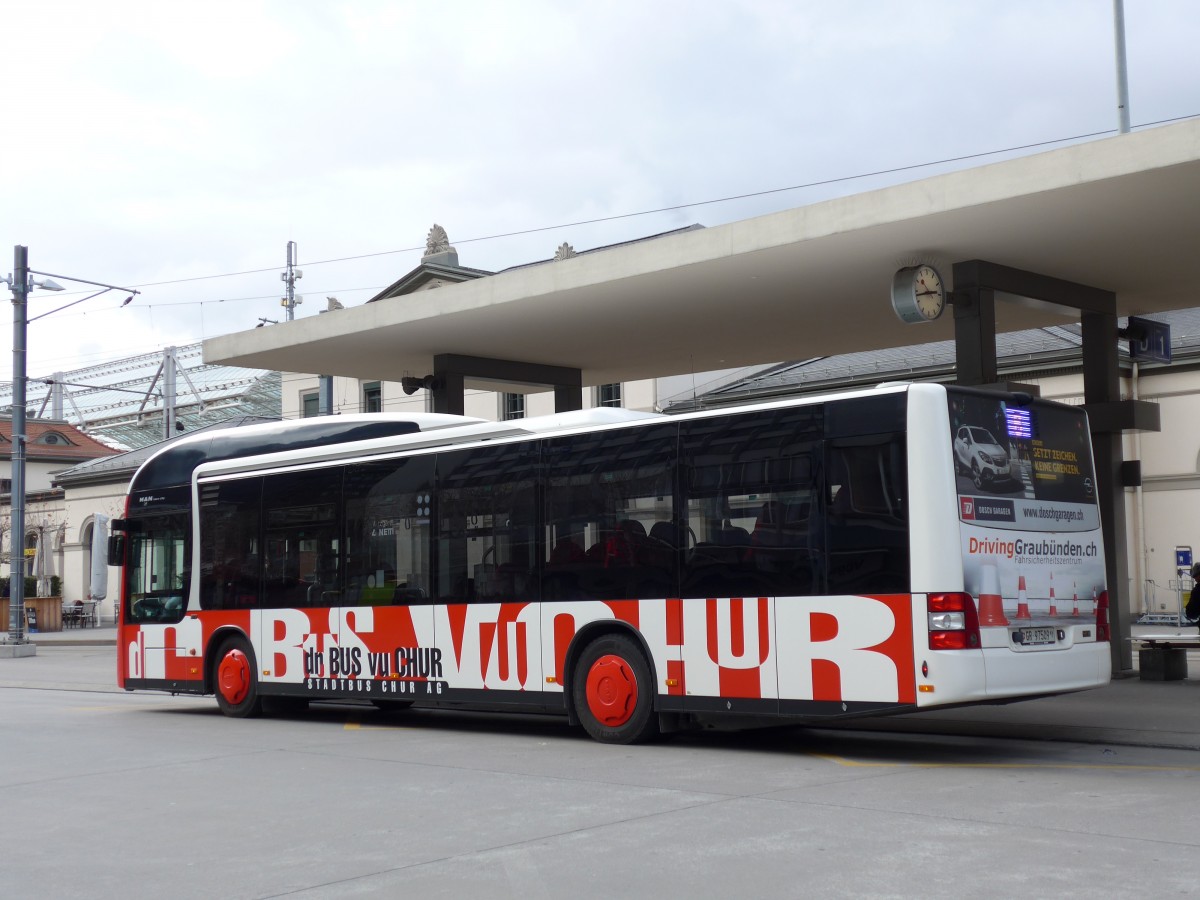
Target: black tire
{"x": 613, "y": 692}
{"x": 235, "y": 680}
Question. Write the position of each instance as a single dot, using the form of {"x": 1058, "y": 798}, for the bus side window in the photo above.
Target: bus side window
{"x": 747, "y": 482}
{"x": 610, "y": 529}
{"x": 389, "y": 508}
{"x": 302, "y": 564}
{"x": 486, "y": 515}
{"x": 866, "y": 525}
{"x": 230, "y": 573}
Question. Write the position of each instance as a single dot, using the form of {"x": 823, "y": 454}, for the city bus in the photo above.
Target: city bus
{"x": 870, "y": 552}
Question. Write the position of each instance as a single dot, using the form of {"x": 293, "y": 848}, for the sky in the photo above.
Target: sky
{"x": 177, "y": 148}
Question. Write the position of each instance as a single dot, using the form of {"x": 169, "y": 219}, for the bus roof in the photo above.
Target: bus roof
{"x": 476, "y": 430}
{"x": 173, "y": 464}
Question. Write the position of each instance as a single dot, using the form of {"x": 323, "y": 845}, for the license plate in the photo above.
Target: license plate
{"x": 1030, "y": 636}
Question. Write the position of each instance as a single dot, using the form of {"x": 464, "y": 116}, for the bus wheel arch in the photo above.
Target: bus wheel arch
{"x": 611, "y": 687}
{"x": 233, "y": 677}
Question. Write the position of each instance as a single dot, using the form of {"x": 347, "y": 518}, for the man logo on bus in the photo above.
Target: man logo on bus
{"x": 968, "y": 507}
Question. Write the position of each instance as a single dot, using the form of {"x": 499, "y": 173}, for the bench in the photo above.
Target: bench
{"x": 1163, "y": 657}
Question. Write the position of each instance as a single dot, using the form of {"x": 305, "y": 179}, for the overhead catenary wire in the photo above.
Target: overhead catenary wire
{"x": 894, "y": 170}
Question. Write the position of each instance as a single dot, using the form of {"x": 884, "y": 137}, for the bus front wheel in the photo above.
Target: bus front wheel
{"x": 237, "y": 681}
{"x": 612, "y": 691}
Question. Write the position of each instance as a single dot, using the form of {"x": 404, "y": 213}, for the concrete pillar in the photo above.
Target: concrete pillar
{"x": 1102, "y": 385}
{"x": 975, "y": 336}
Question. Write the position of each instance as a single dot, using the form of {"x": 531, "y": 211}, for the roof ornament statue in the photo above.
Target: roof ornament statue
{"x": 437, "y": 248}
{"x": 437, "y": 241}
{"x": 565, "y": 251}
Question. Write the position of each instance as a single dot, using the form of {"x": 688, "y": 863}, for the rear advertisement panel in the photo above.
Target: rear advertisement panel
{"x": 1028, "y": 515}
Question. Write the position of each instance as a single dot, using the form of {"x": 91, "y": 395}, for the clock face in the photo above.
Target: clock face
{"x": 928, "y": 292}
{"x": 918, "y": 294}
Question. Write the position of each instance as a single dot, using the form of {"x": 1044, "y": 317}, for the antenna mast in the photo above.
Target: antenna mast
{"x": 290, "y": 301}
{"x": 1122, "y": 73}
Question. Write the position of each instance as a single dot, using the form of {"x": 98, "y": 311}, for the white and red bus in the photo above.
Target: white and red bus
{"x": 870, "y": 552}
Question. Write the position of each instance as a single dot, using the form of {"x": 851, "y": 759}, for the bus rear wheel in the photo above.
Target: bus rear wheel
{"x": 612, "y": 691}
{"x": 236, "y": 680}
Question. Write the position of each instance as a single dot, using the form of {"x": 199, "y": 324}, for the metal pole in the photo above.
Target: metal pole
{"x": 1122, "y": 75}
{"x": 16, "y": 581}
{"x": 291, "y": 283}
{"x": 56, "y": 397}
{"x": 169, "y": 398}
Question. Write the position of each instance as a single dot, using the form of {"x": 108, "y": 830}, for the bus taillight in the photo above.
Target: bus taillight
{"x": 953, "y": 622}
{"x": 1103, "y": 632}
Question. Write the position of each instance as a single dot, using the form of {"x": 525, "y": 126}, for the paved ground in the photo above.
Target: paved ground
{"x": 110, "y": 794}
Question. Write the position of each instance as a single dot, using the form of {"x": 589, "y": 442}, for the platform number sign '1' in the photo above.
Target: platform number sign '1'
{"x": 1149, "y": 340}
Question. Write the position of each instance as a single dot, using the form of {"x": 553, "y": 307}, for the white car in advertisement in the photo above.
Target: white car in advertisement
{"x": 977, "y": 453}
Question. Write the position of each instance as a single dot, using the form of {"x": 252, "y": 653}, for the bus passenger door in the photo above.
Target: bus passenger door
{"x": 387, "y": 592}
{"x": 486, "y": 621}
{"x": 747, "y": 498}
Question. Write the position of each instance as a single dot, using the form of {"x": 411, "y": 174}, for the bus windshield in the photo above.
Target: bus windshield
{"x": 156, "y": 579}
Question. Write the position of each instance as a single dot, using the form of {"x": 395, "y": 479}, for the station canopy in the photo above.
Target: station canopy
{"x": 1118, "y": 214}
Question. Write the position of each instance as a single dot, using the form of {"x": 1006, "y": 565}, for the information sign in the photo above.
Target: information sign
{"x": 1149, "y": 340}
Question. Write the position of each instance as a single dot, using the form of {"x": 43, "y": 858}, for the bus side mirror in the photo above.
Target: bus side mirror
{"x": 116, "y": 549}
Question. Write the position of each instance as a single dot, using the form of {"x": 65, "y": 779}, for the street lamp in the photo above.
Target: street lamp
{"x": 22, "y": 284}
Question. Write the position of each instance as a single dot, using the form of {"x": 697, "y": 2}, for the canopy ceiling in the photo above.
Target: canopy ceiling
{"x": 1119, "y": 214}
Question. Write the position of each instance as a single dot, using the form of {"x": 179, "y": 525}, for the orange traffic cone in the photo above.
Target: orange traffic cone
{"x": 1053, "y": 605}
{"x": 991, "y": 604}
{"x": 1074, "y": 599}
{"x": 1022, "y": 600}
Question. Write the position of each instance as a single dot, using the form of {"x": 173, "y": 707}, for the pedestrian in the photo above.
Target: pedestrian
{"x": 1192, "y": 610}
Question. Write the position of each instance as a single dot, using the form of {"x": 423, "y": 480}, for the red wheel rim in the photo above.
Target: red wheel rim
{"x": 233, "y": 677}
{"x": 611, "y": 691}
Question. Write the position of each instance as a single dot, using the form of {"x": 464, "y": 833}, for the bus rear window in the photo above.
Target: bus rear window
{"x": 1023, "y": 466}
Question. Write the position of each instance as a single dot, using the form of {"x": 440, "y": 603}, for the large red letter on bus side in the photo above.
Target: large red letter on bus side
{"x": 847, "y": 648}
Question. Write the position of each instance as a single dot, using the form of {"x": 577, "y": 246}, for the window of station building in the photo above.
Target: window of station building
{"x": 512, "y": 406}
{"x": 389, "y": 510}
{"x": 372, "y": 392}
{"x": 751, "y": 514}
{"x": 610, "y": 526}
{"x": 310, "y": 404}
{"x": 609, "y": 394}
{"x": 230, "y": 555}
{"x": 486, "y": 524}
